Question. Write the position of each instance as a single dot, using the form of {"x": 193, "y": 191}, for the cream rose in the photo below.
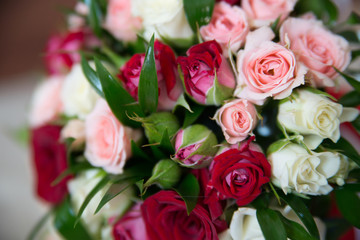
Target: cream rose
{"x": 314, "y": 116}
{"x": 81, "y": 186}
{"x": 77, "y": 94}
{"x": 108, "y": 142}
{"x": 228, "y": 26}
{"x": 264, "y": 12}
{"x": 245, "y": 226}
{"x": 75, "y": 128}
{"x": 237, "y": 119}
{"x": 266, "y": 69}
{"x": 318, "y": 48}
{"x": 120, "y": 21}
{"x": 46, "y": 104}
{"x": 295, "y": 169}
{"x": 165, "y": 18}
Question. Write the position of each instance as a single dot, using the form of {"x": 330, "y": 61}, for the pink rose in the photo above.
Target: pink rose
{"x": 120, "y": 22}
{"x": 131, "y": 226}
{"x": 203, "y": 65}
{"x": 46, "y": 102}
{"x": 169, "y": 82}
{"x": 107, "y": 140}
{"x": 266, "y": 69}
{"x": 318, "y": 48}
{"x": 264, "y": 12}
{"x": 231, "y": 2}
{"x": 237, "y": 119}
{"x": 228, "y": 26}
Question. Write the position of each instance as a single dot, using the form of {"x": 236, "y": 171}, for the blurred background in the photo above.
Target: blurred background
{"x": 25, "y": 27}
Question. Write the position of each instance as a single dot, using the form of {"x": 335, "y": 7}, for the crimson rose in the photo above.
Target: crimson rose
{"x": 166, "y": 218}
{"x": 50, "y": 160}
{"x": 240, "y": 173}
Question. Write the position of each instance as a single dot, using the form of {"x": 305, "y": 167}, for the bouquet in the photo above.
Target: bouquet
{"x": 180, "y": 119}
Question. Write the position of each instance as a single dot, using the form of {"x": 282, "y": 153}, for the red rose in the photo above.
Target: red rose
{"x": 131, "y": 226}
{"x": 203, "y": 63}
{"x": 50, "y": 160}
{"x": 166, "y": 218}
{"x": 240, "y": 173}
{"x": 62, "y": 50}
{"x": 168, "y": 82}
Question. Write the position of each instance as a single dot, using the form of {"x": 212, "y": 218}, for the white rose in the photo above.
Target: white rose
{"x": 77, "y": 95}
{"x": 343, "y": 171}
{"x": 81, "y": 186}
{"x": 315, "y": 117}
{"x": 294, "y": 169}
{"x": 48, "y": 231}
{"x": 163, "y": 17}
{"x": 245, "y": 226}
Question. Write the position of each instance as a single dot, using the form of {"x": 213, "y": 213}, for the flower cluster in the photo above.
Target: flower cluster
{"x": 174, "y": 125}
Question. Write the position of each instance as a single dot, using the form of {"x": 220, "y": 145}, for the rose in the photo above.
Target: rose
{"x": 76, "y": 21}
{"x": 166, "y": 218}
{"x": 318, "y": 48}
{"x": 295, "y": 169}
{"x": 263, "y": 12}
{"x": 168, "y": 81}
{"x": 79, "y": 189}
{"x": 49, "y": 158}
{"x": 195, "y": 146}
{"x": 77, "y": 94}
{"x": 120, "y": 21}
{"x": 46, "y": 104}
{"x": 314, "y": 116}
{"x": 165, "y": 18}
{"x": 75, "y": 129}
{"x": 208, "y": 77}
{"x": 240, "y": 173}
{"x": 237, "y": 119}
{"x": 131, "y": 226}
{"x": 231, "y": 2}
{"x": 266, "y": 69}
{"x": 228, "y": 26}
{"x": 107, "y": 140}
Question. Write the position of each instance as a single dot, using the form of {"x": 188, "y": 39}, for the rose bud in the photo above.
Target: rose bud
{"x": 228, "y": 26}
{"x": 318, "y": 48}
{"x": 266, "y": 69}
{"x": 169, "y": 83}
{"x": 237, "y": 119}
{"x": 295, "y": 169}
{"x": 240, "y": 173}
{"x": 207, "y": 75}
{"x": 195, "y": 146}
{"x": 314, "y": 116}
{"x": 166, "y": 173}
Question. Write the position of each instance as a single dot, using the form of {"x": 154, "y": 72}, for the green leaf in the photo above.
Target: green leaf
{"x": 218, "y": 93}
{"x": 189, "y": 190}
{"x": 65, "y": 221}
{"x": 352, "y": 81}
{"x": 355, "y": 187}
{"x": 344, "y": 147}
{"x": 91, "y": 76}
{"x": 101, "y": 184}
{"x": 336, "y": 227}
{"x": 190, "y": 118}
{"x": 351, "y": 99}
{"x": 166, "y": 173}
{"x": 271, "y": 224}
{"x": 35, "y": 231}
{"x": 72, "y": 170}
{"x": 199, "y": 12}
{"x": 156, "y": 124}
{"x": 114, "y": 191}
{"x": 294, "y": 230}
{"x": 119, "y": 100}
{"x": 278, "y": 145}
{"x": 140, "y": 185}
{"x": 138, "y": 152}
{"x": 348, "y": 203}
{"x": 94, "y": 16}
{"x": 323, "y": 9}
{"x": 183, "y": 103}
{"x": 118, "y": 61}
{"x": 165, "y": 143}
{"x": 302, "y": 212}
{"x": 148, "y": 91}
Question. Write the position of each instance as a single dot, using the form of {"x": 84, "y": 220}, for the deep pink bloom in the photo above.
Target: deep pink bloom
{"x": 231, "y": 2}
{"x": 49, "y": 156}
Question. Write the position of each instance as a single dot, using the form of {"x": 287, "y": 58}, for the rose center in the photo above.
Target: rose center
{"x": 237, "y": 177}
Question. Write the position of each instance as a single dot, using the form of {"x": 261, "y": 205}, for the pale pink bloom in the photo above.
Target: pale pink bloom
{"x": 237, "y": 119}
{"x": 46, "y": 103}
{"x": 266, "y": 69}
{"x": 318, "y": 48}
{"x": 228, "y": 26}
{"x": 264, "y": 12}
{"x": 75, "y": 128}
{"x": 108, "y": 142}
{"x": 120, "y": 22}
